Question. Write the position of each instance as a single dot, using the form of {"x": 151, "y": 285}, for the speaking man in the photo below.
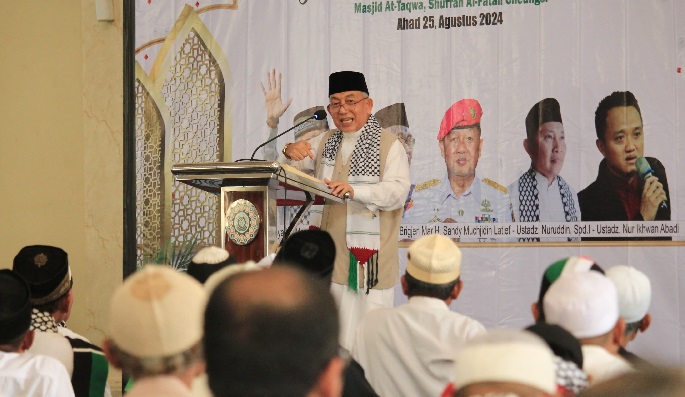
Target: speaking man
{"x": 368, "y": 164}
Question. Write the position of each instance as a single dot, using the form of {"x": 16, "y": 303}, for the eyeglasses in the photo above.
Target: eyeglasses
{"x": 349, "y": 104}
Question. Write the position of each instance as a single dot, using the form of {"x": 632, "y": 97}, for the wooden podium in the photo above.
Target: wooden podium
{"x": 248, "y": 196}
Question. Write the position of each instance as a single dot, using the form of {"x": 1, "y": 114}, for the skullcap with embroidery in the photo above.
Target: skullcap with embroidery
{"x": 157, "y": 312}
{"x": 434, "y": 259}
{"x": 310, "y": 125}
{"x": 46, "y": 269}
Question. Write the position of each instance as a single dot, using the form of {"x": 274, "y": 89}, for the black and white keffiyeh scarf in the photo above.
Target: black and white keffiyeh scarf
{"x": 529, "y": 200}
{"x": 363, "y": 225}
{"x": 42, "y": 321}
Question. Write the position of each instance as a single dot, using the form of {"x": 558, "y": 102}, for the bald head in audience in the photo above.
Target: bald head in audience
{"x": 272, "y": 333}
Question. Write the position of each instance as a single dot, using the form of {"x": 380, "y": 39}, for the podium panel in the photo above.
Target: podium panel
{"x": 248, "y": 195}
{"x": 248, "y": 220}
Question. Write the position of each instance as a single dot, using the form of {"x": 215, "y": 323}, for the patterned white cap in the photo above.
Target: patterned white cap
{"x": 506, "y": 355}
{"x": 586, "y": 304}
{"x": 634, "y": 292}
{"x": 157, "y": 312}
{"x": 434, "y": 259}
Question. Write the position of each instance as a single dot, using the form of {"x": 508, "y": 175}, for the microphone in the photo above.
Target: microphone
{"x": 645, "y": 171}
{"x": 318, "y": 115}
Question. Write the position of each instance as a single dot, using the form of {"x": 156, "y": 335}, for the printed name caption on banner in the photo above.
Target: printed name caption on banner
{"x": 672, "y": 229}
{"x": 374, "y": 7}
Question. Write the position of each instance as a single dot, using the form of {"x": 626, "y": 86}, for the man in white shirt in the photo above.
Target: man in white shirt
{"x": 22, "y": 373}
{"x": 410, "y": 350}
{"x": 586, "y": 304}
{"x": 368, "y": 164}
{"x": 540, "y": 194}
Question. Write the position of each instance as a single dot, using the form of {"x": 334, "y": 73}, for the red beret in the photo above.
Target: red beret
{"x": 464, "y": 113}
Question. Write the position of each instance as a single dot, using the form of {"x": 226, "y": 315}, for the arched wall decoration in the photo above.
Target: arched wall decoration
{"x": 151, "y": 118}
{"x": 182, "y": 116}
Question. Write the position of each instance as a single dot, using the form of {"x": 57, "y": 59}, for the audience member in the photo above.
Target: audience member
{"x": 586, "y": 304}
{"x": 314, "y": 252}
{"x": 207, "y": 261}
{"x": 218, "y": 277}
{"x": 568, "y": 357}
{"x": 22, "y": 373}
{"x": 505, "y": 362}
{"x": 46, "y": 269}
{"x": 634, "y": 296}
{"x": 200, "y": 386}
{"x": 311, "y": 250}
{"x": 410, "y": 350}
{"x": 155, "y": 325}
{"x": 569, "y": 265}
{"x": 272, "y": 333}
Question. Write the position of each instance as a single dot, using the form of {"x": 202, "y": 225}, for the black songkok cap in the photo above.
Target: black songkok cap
{"x": 562, "y": 342}
{"x": 46, "y": 270}
{"x": 394, "y": 114}
{"x": 346, "y": 81}
{"x": 15, "y": 306}
{"x": 311, "y": 250}
{"x": 542, "y": 112}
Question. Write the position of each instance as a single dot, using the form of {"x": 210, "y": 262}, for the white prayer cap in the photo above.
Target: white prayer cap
{"x": 207, "y": 261}
{"x": 215, "y": 279}
{"x": 211, "y": 255}
{"x": 506, "y": 355}
{"x": 157, "y": 312}
{"x": 634, "y": 292}
{"x": 434, "y": 259}
{"x": 586, "y": 304}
